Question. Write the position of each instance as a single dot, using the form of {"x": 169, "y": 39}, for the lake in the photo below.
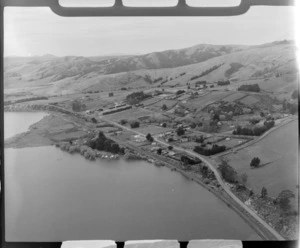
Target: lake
{"x": 53, "y": 196}
{"x": 15, "y": 123}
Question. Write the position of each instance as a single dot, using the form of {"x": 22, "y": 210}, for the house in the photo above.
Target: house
{"x": 184, "y": 140}
{"x": 171, "y": 153}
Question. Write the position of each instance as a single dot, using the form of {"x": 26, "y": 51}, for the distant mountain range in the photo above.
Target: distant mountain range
{"x": 206, "y": 62}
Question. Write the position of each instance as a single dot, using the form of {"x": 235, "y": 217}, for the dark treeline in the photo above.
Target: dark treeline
{"x": 256, "y": 131}
{"x": 209, "y": 151}
{"x": 249, "y": 87}
{"x": 206, "y": 72}
{"x": 157, "y": 79}
{"x": 31, "y": 99}
{"x": 223, "y": 82}
{"x": 189, "y": 161}
{"x": 101, "y": 143}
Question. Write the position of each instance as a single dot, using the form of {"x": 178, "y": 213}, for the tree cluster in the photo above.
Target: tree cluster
{"x": 206, "y": 172}
{"x": 256, "y": 131}
{"x": 180, "y": 131}
{"x": 136, "y": 97}
{"x": 284, "y": 200}
{"x": 189, "y": 161}
{"x": 104, "y": 144}
{"x": 149, "y": 137}
{"x": 228, "y": 173}
{"x": 249, "y": 87}
{"x": 209, "y": 151}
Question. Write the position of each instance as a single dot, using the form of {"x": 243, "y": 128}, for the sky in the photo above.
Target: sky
{"x": 38, "y": 31}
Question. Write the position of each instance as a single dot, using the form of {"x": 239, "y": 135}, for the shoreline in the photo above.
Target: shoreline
{"x": 260, "y": 231}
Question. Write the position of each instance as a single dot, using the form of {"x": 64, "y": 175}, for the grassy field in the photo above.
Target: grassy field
{"x": 132, "y": 114}
{"x": 234, "y": 97}
{"x": 158, "y": 106}
{"x": 278, "y": 151}
{"x": 230, "y": 143}
{"x": 152, "y": 129}
{"x": 202, "y": 101}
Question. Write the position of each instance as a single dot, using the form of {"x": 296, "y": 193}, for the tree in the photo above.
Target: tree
{"x": 264, "y": 192}
{"x": 283, "y": 199}
{"x": 149, "y": 137}
{"x": 94, "y": 120}
{"x": 123, "y": 122}
{"x": 170, "y": 148}
{"x": 255, "y": 162}
{"x": 164, "y": 107}
{"x": 164, "y": 124}
{"x": 135, "y": 124}
{"x": 159, "y": 151}
{"x": 216, "y": 117}
{"x": 193, "y": 125}
{"x": 228, "y": 173}
{"x": 180, "y": 131}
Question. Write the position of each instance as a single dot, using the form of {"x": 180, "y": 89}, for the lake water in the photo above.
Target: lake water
{"x": 53, "y": 196}
{"x": 15, "y": 123}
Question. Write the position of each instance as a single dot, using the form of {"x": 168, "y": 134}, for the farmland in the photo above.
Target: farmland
{"x": 131, "y": 114}
{"x": 153, "y": 130}
{"x": 277, "y": 151}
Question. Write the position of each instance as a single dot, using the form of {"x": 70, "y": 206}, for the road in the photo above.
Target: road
{"x": 210, "y": 164}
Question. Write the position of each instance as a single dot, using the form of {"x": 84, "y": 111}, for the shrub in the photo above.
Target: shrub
{"x": 135, "y": 124}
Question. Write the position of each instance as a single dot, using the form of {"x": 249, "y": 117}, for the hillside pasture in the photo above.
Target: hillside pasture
{"x": 249, "y": 100}
{"x": 233, "y": 97}
{"x": 278, "y": 153}
{"x": 202, "y": 101}
{"x": 151, "y": 101}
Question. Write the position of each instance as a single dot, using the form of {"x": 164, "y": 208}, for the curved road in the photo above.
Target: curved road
{"x": 209, "y": 163}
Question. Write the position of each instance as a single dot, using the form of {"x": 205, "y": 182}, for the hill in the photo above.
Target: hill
{"x": 51, "y": 75}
